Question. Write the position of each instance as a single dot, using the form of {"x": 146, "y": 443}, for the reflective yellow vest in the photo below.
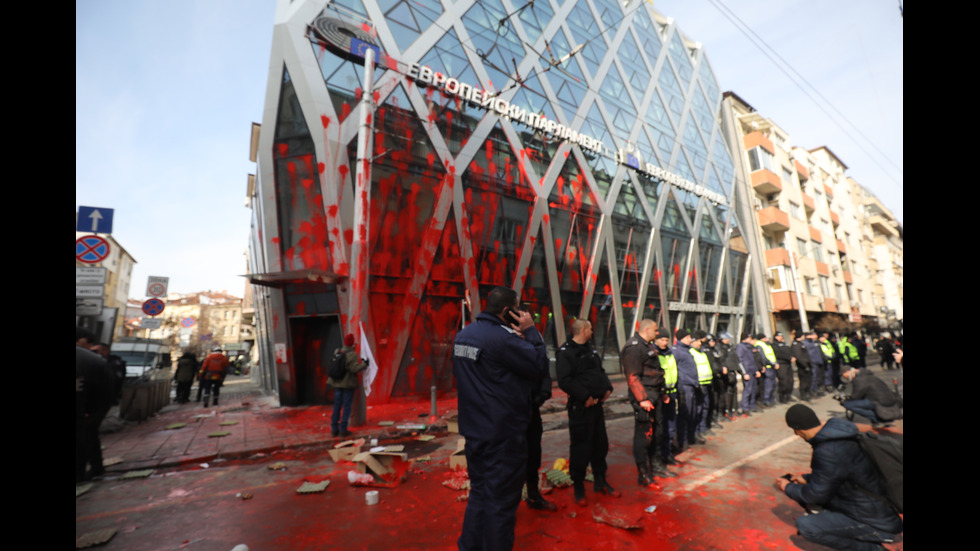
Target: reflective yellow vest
{"x": 767, "y": 350}
{"x": 827, "y": 348}
{"x": 669, "y": 365}
{"x": 704, "y": 366}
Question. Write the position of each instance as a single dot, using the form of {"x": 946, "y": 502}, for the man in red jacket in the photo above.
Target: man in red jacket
{"x": 212, "y": 374}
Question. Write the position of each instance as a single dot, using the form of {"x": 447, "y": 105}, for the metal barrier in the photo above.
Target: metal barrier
{"x": 143, "y": 398}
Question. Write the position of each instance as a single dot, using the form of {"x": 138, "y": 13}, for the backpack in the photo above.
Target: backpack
{"x": 337, "y": 368}
{"x": 886, "y": 455}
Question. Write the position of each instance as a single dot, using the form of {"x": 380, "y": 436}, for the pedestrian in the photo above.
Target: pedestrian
{"x": 187, "y": 367}
{"x": 343, "y": 388}
{"x": 497, "y": 360}
{"x": 93, "y": 398}
{"x": 581, "y": 376}
{"x": 212, "y": 374}
{"x": 117, "y": 368}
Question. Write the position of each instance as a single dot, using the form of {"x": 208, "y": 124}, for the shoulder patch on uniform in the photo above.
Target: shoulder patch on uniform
{"x": 466, "y": 351}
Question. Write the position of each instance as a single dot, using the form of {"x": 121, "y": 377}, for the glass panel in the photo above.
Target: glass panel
{"x": 302, "y": 224}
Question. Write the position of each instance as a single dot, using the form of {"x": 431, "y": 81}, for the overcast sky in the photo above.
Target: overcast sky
{"x": 165, "y": 94}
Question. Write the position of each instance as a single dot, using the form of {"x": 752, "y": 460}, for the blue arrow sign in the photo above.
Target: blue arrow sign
{"x": 94, "y": 220}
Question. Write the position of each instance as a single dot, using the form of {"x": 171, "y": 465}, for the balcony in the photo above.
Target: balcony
{"x": 848, "y": 278}
{"x": 828, "y": 191}
{"x": 777, "y": 257}
{"x": 801, "y": 171}
{"x": 829, "y": 305}
{"x": 815, "y": 234}
{"x": 840, "y": 247}
{"x": 772, "y": 219}
{"x": 765, "y": 182}
{"x": 883, "y": 225}
{"x": 753, "y": 139}
{"x": 808, "y": 204}
{"x": 834, "y": 218}
{"x": 822, "y": 268}
{"x": 784, "y": 300}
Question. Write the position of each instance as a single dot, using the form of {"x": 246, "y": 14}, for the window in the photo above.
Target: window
{"x": 787, "y": 175}
{"x": 801, "y": 246}
{"x": 759, "y": 159}
{"x": 811, "y": 286}
{"x": 817, "y": 252}
{"x": 780, "y": 279}
{"x": 825, "y": 286}
{"x": 795, "y": 211}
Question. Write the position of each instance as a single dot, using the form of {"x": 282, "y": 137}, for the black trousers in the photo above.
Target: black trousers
{"x": 589, "y": 443}
{"x": 534, "y": 432}
{"x": 648, "y": 433}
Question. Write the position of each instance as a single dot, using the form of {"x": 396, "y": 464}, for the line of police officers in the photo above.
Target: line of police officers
{"x": 678, "y": 393}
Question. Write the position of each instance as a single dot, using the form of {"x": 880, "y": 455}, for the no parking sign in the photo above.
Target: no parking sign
{"x": 153, "y": 307}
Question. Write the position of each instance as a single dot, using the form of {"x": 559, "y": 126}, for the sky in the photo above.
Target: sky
{"x": 166, "y": 92}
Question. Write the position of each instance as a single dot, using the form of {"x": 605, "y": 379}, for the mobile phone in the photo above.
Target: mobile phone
{"x": 511, "y": 316}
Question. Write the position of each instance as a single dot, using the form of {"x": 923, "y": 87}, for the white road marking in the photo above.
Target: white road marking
{"x": 729, "y": 468}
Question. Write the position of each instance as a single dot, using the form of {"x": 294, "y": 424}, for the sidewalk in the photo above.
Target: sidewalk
{"x": 256, "y": 423}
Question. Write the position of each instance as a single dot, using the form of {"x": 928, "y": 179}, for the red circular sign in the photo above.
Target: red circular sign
{"x": 153, "y": 307}
{"x": 91, "y": 249}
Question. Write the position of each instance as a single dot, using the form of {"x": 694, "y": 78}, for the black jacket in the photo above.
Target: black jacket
{"x": 580, "y": 373}
{"x": 839, "y": 468}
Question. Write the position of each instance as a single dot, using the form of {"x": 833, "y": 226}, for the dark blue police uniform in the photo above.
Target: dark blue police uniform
{"x": 495, "y": 369}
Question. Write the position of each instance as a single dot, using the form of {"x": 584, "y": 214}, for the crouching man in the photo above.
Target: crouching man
{"x": 843, "y": 482}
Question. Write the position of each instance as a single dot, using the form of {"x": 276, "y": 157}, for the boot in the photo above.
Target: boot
{"x": 603, "y": 487}
{"x": 538, "y": 502}
{"x": 660, "y": 470}
{"x": 645, "y": 478}
{"x": 579, "y": 488}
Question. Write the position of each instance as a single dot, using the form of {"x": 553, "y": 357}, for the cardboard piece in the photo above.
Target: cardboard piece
{"x": 386, "y": 467}
{"x": 346, "y": 450}
{"x": 458, "y": 459}
{"x": 452, "y": 424}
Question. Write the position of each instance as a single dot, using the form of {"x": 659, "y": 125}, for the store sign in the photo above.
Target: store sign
{"x": 490, "y": 101}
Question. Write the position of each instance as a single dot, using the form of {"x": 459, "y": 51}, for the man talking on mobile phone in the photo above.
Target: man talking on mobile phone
{"x": 496, "y": 361}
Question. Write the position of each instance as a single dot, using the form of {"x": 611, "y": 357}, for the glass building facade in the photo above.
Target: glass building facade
{"x": 569, "y": 149}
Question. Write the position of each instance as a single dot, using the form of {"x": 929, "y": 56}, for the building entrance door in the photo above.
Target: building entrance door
{"x": 314, "y": 340}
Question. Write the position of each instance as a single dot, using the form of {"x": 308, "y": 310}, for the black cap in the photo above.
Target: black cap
{"x": 760, "y": 336}
{"x": 699, "y": 334}
{"x": 778, "y": 334}
{"x": 801, "y": 417}
{"x": 662, "y": 334}
{"x": 681, "y": 333}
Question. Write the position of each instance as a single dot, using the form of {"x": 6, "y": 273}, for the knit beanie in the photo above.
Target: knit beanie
{"x": 801, "y": 417}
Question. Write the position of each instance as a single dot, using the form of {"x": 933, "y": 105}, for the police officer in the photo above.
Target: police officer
{"x": 496, "y": 361}
{"x": 817, "y": 361}
{"x": 640, "y": 364}
{"x": 703, "y": 394}
{"x": 804, "y": 367}
{"x": 730, "y": 369}
{"x": 828, "y": 345}
{"x": 669, "y": 409}
{"x": 784, "y": 370}
{"x": 687, "y": 390}
{"x": 769, "y": 363}
{"x": 581, "y": 376}
{"x": 751, "y": 371}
